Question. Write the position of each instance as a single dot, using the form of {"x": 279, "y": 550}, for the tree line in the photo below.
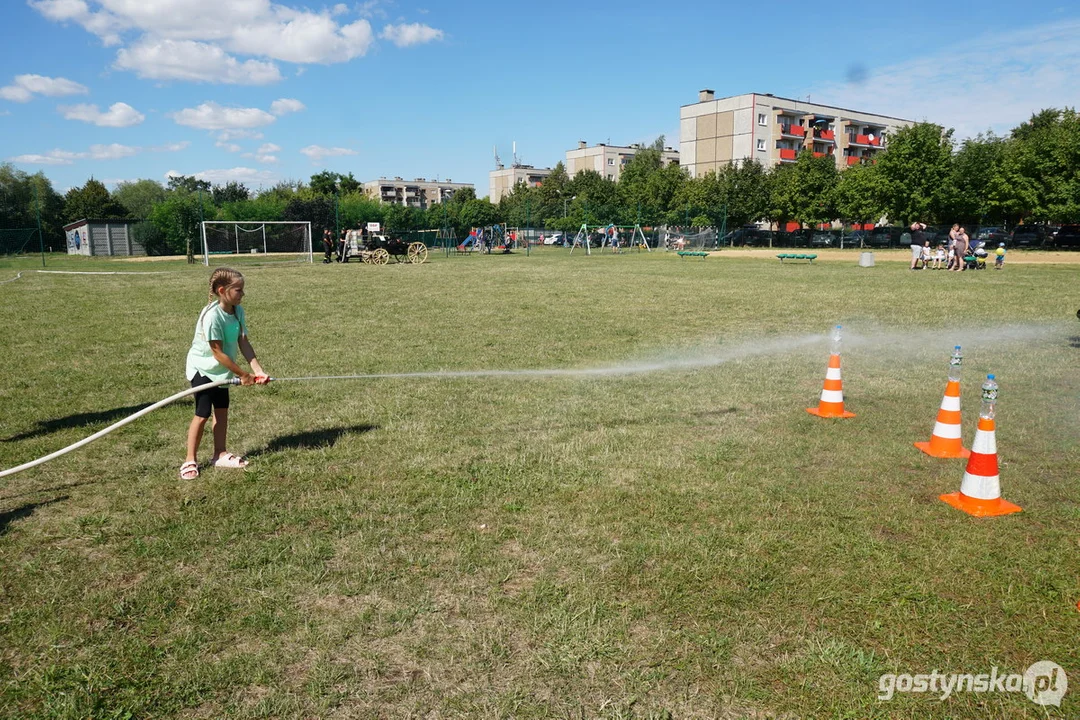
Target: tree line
{"x": 1031, "y": 175}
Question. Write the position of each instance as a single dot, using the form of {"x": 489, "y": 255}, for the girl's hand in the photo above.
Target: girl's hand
{"x": 247, "y": 379}
{"x": 262, "y": 379}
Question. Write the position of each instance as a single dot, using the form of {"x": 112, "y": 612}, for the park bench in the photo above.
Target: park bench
{"x": 693, "y": 253}
{"x": 796, "y": 256}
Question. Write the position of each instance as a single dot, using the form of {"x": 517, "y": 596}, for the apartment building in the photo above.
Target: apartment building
{"x": 774, "y": 130}
{"x": 609, "y": 160}
{"x": 503, "y": 180}
{"x": 419, "y": 193}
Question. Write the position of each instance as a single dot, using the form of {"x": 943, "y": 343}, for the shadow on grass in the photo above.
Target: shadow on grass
{"x": 1074, "y": 341}
{"x": 6, "y": 518}
{"x": 78, "y": 420}
{"x": 311, "y": 439}
{"x": 38, "y": 491}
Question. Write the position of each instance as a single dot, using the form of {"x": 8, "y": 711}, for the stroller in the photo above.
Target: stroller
{"x": 976, "y": 260}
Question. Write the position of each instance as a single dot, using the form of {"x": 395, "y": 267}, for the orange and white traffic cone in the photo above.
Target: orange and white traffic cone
{"x": 980, "y": 490}
{"x": 832, "y": 394}
{"x": 945, "y": 440}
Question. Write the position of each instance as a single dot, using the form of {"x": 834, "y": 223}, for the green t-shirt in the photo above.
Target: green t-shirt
{"x": 215, "y": 324}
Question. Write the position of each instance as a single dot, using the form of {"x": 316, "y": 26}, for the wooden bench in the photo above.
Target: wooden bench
{"x": 796, "y": 256}
{"x": 693, "y": 253}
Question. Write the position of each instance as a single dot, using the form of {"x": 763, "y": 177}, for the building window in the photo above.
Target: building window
{"x": 610, "y": 176}
{"x": 761, "y": 119}
{"x": 611, "y": 161}
{"x": 760, "y": 144}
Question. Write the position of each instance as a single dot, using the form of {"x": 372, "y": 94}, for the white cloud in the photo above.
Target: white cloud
{"x": 265, "y": 154}
{"x": 102, "y": 23}
{"x": 119, "y": 114}
{"x": 370, "y": 9}
{"x": 228, "y": 147}
{"x": 303, "y": 37}
{"x": 248, "y": 176}
{"x": 211, "y": 116}
{"x": 317, "y": 153}
{"x": 339, "y": 9}
{"x": 239, "y": 134}
{"x": 113, "y": 151}
{"x": 283, "y": 106}
{"x": 992, "y": 82}
{"x": 172, "y": 147}
{"x": 159, "y": 59}
{"x": 52, "y": 157}
{"x": 407, "y": 35}
{"x": 25, "y": 87}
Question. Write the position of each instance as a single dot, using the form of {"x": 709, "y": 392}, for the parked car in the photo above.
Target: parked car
{"x": 1029, "y": 236}
{"x": 855, "y": 239}
{"x": 748, "y": 235}
{"x": 883, "y": 237}
{"x": 992, "y": 236}
{"x": 556, "y": 238}
{"x": 1068, "y": 237}
{"x": 824, "y": 239}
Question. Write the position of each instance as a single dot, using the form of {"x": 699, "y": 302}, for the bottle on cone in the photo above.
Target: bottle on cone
{"x": 831, "y": 404}
{"x": 945, "y": 440}
{"x": 980, "y": 490}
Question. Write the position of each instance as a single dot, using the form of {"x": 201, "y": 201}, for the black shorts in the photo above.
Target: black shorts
{"x": 217, "y": 397}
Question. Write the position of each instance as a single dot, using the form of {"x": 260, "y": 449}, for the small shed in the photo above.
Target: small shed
{"x": 102, "y": 237}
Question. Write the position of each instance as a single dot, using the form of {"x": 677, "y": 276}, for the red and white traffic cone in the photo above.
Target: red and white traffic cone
{"x": 831, "y": 404}
{"x": 945, "y": 440}
{"x": 980, "y": 490}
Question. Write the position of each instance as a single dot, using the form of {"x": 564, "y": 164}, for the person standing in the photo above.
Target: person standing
{"x": 221, "y": 334}
{"x": 999, "y": 256}
{"x": 918, "y": 239}
{"x": 961, "y": 250}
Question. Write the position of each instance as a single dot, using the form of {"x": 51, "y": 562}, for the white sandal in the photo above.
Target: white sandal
{"x": 228, "y": 460}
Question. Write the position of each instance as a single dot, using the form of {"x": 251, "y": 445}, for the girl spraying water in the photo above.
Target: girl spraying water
{"x": 220, "y": 333}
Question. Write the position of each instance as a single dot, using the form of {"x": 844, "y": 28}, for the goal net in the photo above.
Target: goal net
{"x": 273, "y": 240}
{"x": 16, "y": 241}
{"x": 698, "y": 239}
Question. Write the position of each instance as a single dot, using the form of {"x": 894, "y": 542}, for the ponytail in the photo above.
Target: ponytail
{"x": 222, "y": 277}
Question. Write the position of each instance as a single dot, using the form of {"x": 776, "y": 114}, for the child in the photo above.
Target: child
{"x": 219, "y": 333}
{"x": 926, "y": 255}
{"x": 939, "y": 257}
{"x": 999, "y": 256}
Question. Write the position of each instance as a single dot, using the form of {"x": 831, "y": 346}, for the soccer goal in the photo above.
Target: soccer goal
{"x": 272, "y": 239}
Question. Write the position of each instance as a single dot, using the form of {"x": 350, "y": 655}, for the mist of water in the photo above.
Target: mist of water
{"x": 857, "y": 341}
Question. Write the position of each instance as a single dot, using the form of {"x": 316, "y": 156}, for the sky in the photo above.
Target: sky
{"x": 259, "y": 91}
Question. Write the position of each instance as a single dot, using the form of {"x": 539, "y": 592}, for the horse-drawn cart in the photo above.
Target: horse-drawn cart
{"x": 378, "y": 249}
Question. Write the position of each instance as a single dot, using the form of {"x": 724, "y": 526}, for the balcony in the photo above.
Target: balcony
{"x": 793, "y": 130}
{"x": 820, "y": 154}
{"x": 853, "y": 160}
{"x": 787, "y": 154}
{"x": 826, "y": 135}
{"x": 873, "y": 141}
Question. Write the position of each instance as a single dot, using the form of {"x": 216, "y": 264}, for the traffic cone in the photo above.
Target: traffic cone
{"x": 980, "y": 490}
{"x": 945, "y": 441}
{"x": 832, "y": 395}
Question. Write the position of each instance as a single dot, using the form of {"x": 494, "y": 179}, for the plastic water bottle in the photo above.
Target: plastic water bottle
{"x": 836, "y": 340}
{"x": 954, "y": 364}
{"x": 989, "y": 397}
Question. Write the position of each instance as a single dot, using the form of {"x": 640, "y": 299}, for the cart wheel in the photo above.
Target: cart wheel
{"x": 417, "y": 252}
{"x": 380, "y": 257}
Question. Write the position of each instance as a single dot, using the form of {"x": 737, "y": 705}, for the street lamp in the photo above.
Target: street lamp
{"x": 572, "y": 197}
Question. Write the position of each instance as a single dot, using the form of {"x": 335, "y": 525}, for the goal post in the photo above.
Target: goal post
{"x": 282, "y": 240}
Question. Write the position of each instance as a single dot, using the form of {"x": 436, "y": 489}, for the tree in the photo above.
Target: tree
{"x": 230, "y": 192}
{"x": 188, "y": 183}
{"x": 859, "y": 196}
{"x": 314, "y": 208}
{"x": 324, "y": 183}
{"x": 804, "y": 190}
{"x": 916, "y": 168}
{"x": 176, "y": 222}
{"x": 91, "y": 201}
{"x": 139, "y": 197}
{"x": 23, "y": 197}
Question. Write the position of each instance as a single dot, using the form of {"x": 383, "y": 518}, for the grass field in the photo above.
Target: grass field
{"x": 686, "y": 542}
